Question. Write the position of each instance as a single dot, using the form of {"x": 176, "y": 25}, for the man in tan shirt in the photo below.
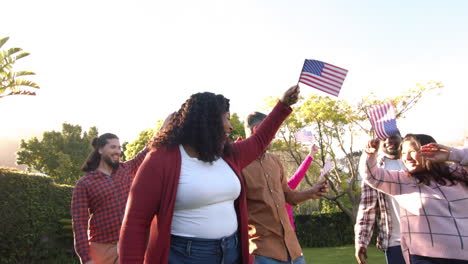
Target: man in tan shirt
{"x": 272, "y": 238}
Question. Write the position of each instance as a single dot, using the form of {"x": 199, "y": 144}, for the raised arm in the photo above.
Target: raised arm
{"x": 134, "y": 163}
{"x": 294, "y": 181}
{"x": 249, "y": 149}
{"x": 440, "y": 153}
{"x": 383, "y": 180}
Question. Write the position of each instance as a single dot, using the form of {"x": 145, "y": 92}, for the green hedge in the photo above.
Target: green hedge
{"x": 31, "y": 208}
{"x": 324, "y": 230}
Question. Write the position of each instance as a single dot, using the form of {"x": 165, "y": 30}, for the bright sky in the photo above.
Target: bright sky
{"x": 122, "y": 65}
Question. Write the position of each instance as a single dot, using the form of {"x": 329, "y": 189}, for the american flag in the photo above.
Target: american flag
{"x": 383, "y": 120}
{"x": 304, "y": 136}
{"x": 326, "y": 168}
{"x": 323, "y": 76}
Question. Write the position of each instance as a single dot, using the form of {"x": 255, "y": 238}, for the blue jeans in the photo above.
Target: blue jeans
{"x": 415, "y": 259}
{"x": 266, "y": 260}
{"x": 192, "y": 250}
{"x": 394, "y": 255}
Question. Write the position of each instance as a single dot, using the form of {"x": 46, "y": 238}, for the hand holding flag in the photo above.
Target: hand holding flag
{"x": 291, "y": 96}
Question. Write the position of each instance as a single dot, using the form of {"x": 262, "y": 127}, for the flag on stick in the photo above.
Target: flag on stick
{"x": 326, "y": 168}
{"x": 323, "y": 76}
{"x": 304, "y": 136}
{"x": 383, "y": 120}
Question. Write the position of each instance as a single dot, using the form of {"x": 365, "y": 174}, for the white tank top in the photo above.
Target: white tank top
{"x": 204, "y": 206}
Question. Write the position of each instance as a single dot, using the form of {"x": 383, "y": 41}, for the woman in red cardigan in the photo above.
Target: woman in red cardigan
{"x": 187, "y": 203}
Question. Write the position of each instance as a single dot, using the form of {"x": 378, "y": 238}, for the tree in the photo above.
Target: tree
{"x": 138, "y": 144}
{"x": 336, "y": 125}
{"x": 237, "y": 127}
{"x": 59, "y": 154}
{"x": 10, "y": 84}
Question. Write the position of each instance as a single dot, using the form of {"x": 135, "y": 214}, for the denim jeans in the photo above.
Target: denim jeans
{"x": 394, "y": 255}
{"x": 266, "y": 260}
{"x": 192, "y": 250}
{"x": 415, "y": 259}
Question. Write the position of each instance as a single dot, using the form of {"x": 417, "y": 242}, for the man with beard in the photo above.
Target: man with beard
{"x": 99, "y": 199}
{"x": 384, "y": 208}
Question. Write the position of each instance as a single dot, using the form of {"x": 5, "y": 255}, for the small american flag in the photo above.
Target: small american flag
{"x": 304, "y": 136}
{"x": 383, "y": 120}
{"x": 326, "y": 168}
{"x": 323, "y": 76}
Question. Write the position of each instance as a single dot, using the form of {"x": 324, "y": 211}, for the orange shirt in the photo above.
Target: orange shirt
{"x": 270, "y": 232}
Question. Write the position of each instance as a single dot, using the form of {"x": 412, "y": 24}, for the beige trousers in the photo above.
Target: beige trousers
{"x": 103, "y": 253}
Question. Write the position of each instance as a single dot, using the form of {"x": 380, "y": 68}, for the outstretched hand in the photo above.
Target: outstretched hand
{"x": 291, "y": 96}
{"x": 435, "y": 152}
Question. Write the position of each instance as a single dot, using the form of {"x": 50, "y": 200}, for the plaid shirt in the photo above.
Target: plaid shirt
{"x": 98, "y": 205}
{"x": 373, "y": 207}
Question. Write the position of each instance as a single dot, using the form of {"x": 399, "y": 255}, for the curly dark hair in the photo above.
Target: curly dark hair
{"x": 439, "y": 172}
{"x": 199, "y": 124}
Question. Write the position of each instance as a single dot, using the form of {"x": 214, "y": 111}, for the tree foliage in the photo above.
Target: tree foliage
{"x": 336, "y": 124}
{"x": 10, "y": 84}
{"x": 132, "y": 148}
{"x": 238, "y": 130}
{"x": 58, "y": 154}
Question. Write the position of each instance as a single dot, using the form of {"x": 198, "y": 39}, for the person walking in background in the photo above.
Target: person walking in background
{"x": 378, "y": 207}
{"x": 294, "y": 181}
{"x": 191, "y": 184}
{"x": 433, "y": 197}
{"x": 272, "y": 238}
{"x": 99, "y": 198}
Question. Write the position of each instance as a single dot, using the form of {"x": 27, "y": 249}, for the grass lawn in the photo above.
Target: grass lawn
{"x": 341, "y": 255}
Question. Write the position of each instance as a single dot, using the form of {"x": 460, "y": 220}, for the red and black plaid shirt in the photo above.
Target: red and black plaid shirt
{"x": 98, "y": 205}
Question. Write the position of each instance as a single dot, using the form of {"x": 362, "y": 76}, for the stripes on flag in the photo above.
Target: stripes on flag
{"x": 326, "y": 168}
{"x": 383, "y": 120}
{"x": 323, "y": 76}
{"x": 304, "y": 136}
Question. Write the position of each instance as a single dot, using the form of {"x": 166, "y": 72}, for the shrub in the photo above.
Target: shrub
{"x": 324, "y": 230}
{"x": 31, "y": 207}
